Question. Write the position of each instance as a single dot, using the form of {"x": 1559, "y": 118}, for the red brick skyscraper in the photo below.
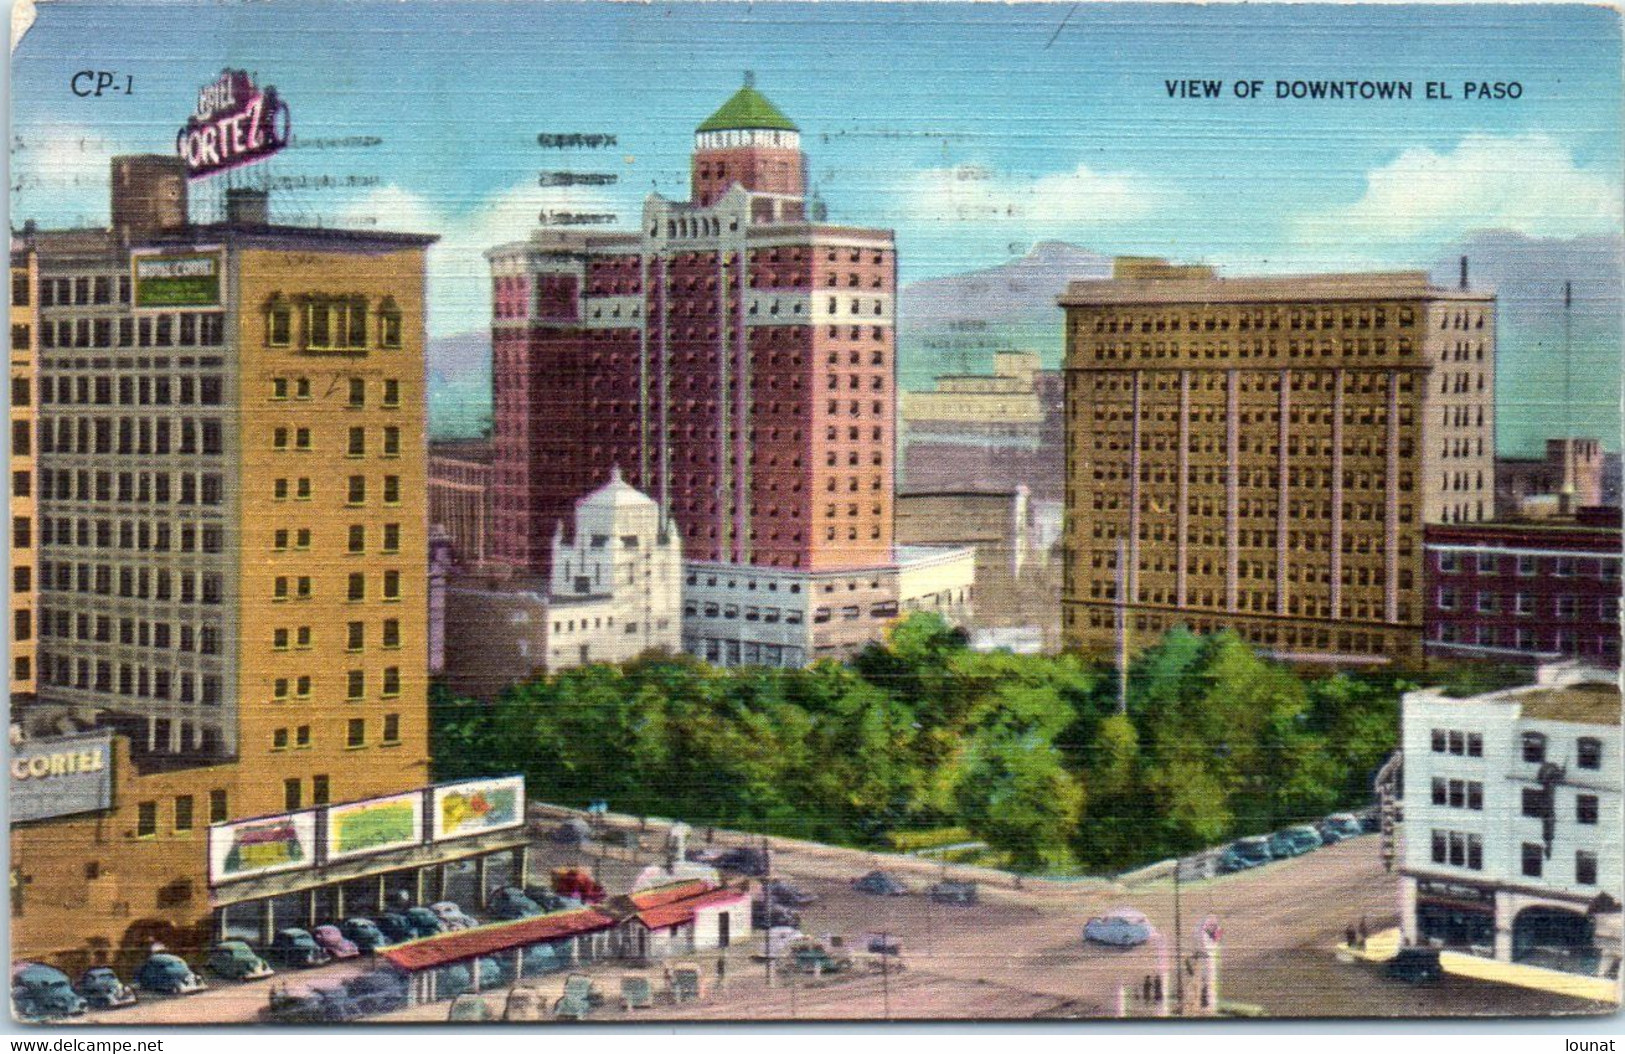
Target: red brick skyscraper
{"x": 734, "y": 356}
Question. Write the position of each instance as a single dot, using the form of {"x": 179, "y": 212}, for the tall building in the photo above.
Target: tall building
{"x": 24, "y": 538}
{"x": 1512, "y": 820}
{"x": 232, "y": 579}
{"x": 460, "y": 496}
{"x": 734, "y": 357}
{"x": 1526, "y": 592}
{"x": 1569, "y": 477}
{"x": 1267, "y": 451}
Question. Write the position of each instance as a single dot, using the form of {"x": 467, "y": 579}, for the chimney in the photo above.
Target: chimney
{"x": 148, "y": 194}
{"x": 246, "y": 207}
{"x": 1464, "y": 274}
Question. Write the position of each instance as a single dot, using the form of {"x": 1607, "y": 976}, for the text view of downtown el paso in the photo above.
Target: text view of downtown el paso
{"x": 604, "y": 603}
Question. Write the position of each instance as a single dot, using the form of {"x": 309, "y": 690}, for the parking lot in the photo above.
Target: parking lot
{"x": 1017, "y": 953}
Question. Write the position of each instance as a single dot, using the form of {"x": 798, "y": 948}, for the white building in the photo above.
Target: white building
{"x": 615, "y": 593}
{"x": 735, "y": 615}
{"x": 1512, "y": 821}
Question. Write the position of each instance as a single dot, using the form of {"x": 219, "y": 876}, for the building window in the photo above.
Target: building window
{"x": 392, "y": 585}
{"x": 1585, "y": 809}
{"x": 1585, "y": 868}
{"x": 217, "y": 806}
{"x": 319, "y": 791}
{"x": 392, "y": 681}
{"x": 1533, "y": 855}
{"x": 358, "y": 732}
{"x": 1534, "y": 747}
{"x": 183, "y": 812}
{"x": 292, "y": 796}
{"x": 1534, "y": 802}
{"x": 356, "y": 684}
{"x": 1440, "y": 843}
{"x": 279, "y": 739}
{"x": 301, "y": 736}
{"x": 357, "y": 636}
{"x": 392, "y": 728}
{"x": 392, "y": 633}
{"x": 358, "y": 586}
{"x": 146, "y": 819}
{"x": 278, "y": 322}
{"x": 1588, "y": 753}
{"x": 1475, "y": 745}
{"x": 389, "y": 323}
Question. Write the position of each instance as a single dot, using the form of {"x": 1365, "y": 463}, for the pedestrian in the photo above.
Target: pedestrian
{"x": 1157, "y": 988}
{"x": 1363, "y": 933}
{"x": 1145, "y": 988}
{"x": 722, "y": 974}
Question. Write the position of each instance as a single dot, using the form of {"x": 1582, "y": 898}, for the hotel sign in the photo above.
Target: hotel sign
{"x": 61, "y": 777}
{"x": 235, "y": 124}
{"x": 176, "y": 279}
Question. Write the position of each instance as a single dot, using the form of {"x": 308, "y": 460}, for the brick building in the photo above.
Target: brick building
{"x": 734, "y": 357}
{"x": 24, "y": 539}
{"x": 1267, "y": 451}
{"x": 1570, "y": 476}
{"x": 1527, "y": 591}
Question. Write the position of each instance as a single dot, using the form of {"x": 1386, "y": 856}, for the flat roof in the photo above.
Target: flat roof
{"x": 445, "y": 948}
{"x": 1373, "y": 285}
{"x": 1587, "y": 703}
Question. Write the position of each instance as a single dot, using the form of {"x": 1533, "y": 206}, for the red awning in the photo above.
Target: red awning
{"x": 444, "y": 948}
{"x": 655, "y": 896}
{"x": 681, "y": 911}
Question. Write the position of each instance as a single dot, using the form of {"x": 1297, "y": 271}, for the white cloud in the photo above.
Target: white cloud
{"x": 459, "y": 276}
{"x": 1527, "y": 183}
{"x": 59, "y": 175}
{"x": 1058, "y": 201}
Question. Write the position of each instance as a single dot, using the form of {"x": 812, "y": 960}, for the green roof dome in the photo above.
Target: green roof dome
{"x": 747, "y": 110}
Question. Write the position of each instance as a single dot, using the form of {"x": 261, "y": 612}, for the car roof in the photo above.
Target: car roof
{"x": 1125, "y": 913}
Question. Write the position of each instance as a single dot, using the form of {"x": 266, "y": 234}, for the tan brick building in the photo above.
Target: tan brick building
{"x": 24, "y": 542}
{"x": 1266, "y": 452}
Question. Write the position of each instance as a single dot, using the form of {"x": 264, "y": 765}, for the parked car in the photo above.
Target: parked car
{"x": 297, "y": 948}
{"x": 762, "y": 916}
{"x": 550, "y": 901}
{"x": 745, "y": 860}
{"x": 525, "y": 1003}
{"x": 334, "y": 943}
{"x": 395, "y": 927}
{"x": 1244, "y": 853}
{"x": 236, "y": 961}
{"x": 882, "y": 944}
{"x": 1415, "y": 966}
{"x": 102, "y": 989}
{"x": 510, "y": 902}
{"x": 425, "y": 923}
{"x": 781, "y": 892}
{"x": 300, "y": 1005}
{"x": 1340, "y": 826}
{"x": 365, "y": 933}
{"x": 577, "y": 882}
{"x": 571, "y": 832}
{"x": 168, "y": 975}
{"x": 1294, "y": 841}
{"x": 812, "y": 957}
{"x": 453, "y": 916}
{"x": 469, "y": 1007}
{"x": 880, "y": 884}
{"x": 40, "y": 992}
{"x": 1371, "y": 821}
{"x": 1119, "y": 927}
{"x": 378, "y": 991}
{"x": 949, "y": 892}
{"x": 335, "y": 1003}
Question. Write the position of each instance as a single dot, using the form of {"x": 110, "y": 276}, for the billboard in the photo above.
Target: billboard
{"x": 260, "y": 847}
{"x": 478, "y": 806}
{"x": 373, "y": 826}
{"x": 177, "y": 279}
{"x": 61, "y": 777}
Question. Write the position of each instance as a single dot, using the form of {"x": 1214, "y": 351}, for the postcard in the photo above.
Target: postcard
{"x": 549, "y": 511}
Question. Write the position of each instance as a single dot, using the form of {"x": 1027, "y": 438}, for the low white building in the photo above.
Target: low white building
{"x": 615, "y": 593}
{"x": 1511, "y": 837}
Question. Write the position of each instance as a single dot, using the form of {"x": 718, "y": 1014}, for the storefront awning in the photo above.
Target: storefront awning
{"x": 443, "y": 949}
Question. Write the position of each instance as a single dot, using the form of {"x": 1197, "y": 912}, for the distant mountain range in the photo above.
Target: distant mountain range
{"x": 954, "y": 324}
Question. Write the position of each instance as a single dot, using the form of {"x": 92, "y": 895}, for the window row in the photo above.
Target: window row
{"x": 205, "y": 330}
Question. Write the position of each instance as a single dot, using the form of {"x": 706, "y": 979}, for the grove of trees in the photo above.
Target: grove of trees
{"x": 1026, "y": 753}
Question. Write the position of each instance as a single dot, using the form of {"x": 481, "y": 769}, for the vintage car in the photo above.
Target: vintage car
{"x": 378, "y": 992}
{"x": 454, "y": 917}
{"x": 1119, "y": 928}
{"x": 395, "y": 927}
{"x": 1294, "y": 841}
{"x": 1244, "y": 853}
{"x": 297, "y": 948}
{"x": 425, "y": 923}
{"x": 510, "y": 902}
{"x": 880, "y": 884}
{"x": 1340, "y": 826}
{"x": 102, "y": 989}
{"x": 335, "y": 943}
{"x": 40, "y": 992}
{"x": 950, "y": 892}
{"x": 236, "y": 961}
{"x": 781, "y": 892}
{"x": 168, "y": 975}
{"x": 365, "y": 933}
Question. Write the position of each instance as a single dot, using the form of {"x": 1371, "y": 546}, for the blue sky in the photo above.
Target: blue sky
{"x": 973, "y": 130}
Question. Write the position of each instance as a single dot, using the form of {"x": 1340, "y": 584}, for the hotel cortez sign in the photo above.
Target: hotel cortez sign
{"x": 235, "y": 124}
{"x": 61, "y": 777}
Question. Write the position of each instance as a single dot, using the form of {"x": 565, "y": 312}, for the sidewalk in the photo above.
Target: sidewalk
{"x": 1382, "y": 946}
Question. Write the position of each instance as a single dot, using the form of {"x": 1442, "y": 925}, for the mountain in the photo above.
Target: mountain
{"x": 459, "y": 384}
{"x": 1012, "y": 292}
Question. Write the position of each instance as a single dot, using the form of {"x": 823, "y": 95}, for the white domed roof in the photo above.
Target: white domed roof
{"x": 616, "y": 494}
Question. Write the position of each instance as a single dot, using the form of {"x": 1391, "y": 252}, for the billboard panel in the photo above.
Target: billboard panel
{"x": 373, "y": 826}
{"x": 177, "y": 279}
{"x": 478, "y": 806}
{"x": 261, "y": 847}
{"x": 61, "y": 776}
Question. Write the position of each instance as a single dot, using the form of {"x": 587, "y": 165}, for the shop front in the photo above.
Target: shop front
{"x": 1456, "y": 916}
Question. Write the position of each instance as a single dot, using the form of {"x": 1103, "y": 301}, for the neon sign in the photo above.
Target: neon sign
{"x": 235, "y": 124}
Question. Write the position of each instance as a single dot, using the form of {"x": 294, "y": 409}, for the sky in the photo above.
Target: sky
{"x": 973, "y": 130}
